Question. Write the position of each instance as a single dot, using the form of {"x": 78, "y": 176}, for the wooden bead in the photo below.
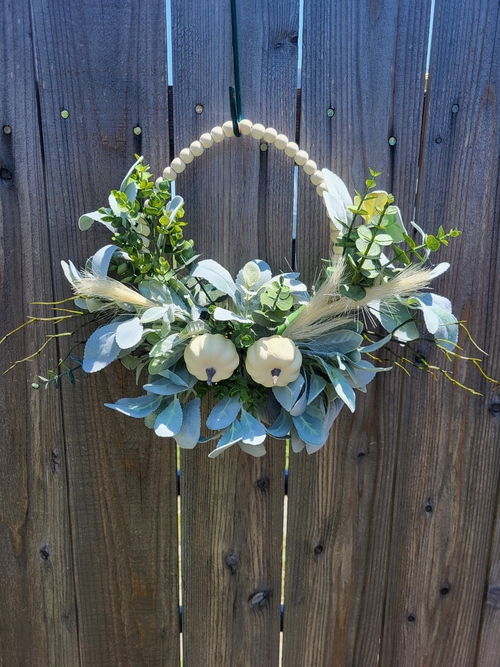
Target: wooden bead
{"x": 257, "y": 131}
{"x": 186, "y": 156}
{"x": 217, "y": 134}
{"x": 317, "y": 178}
{"x": 291, "y": 149}
{"x": 301, "y": 157}
{"x": 310, "y": 168}
{"x": 281, "y": 141}
{"x": 206, "y": 140}
{"x": 245, "y": 126}
{"x": 196, "y": 148}
{"x": 228, "y": 128}
{"x": 177, "y": 165}
{"x": 320, "y": 189}
{"x": 270, "y": 135}
{"x": 169, "y": 174}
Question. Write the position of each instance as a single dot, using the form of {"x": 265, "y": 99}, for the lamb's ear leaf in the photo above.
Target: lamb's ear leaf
{"x": 139, "y": 407}
{"x": 169, "y": 421}
{"x": 101, "y": 260}
{"x": 87, "y": 220}
{"x": 129, "y": 333}
{"x": 189, "y": 433}
{"x": 232, "y": 435}
{"x": 254, "y": 431}
{"x": 224, "y": 413}
{"x": 216, "y": 275}
{"x": 101, "y": 348}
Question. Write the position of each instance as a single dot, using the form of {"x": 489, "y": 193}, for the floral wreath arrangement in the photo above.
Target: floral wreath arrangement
{"x": 277, "y": 360}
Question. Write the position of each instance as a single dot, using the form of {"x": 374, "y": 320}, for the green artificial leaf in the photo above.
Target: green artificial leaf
{"x": 354, "y": 292}
{"x": 432, "y": 242}
{"x": 365, "y": 233}
{"x": 368, "y": 248}
{"x": 253, "y": 450}
{"x": 340, "y": 384}
{"x": 383, "y": 239}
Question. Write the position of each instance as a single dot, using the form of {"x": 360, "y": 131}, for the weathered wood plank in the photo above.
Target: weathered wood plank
{"x": 239, "y": 204}
{"x": 488, "y": 652}
{"x": 105, "y": 64}
{"x": 38, "y": 621}
{"x": 339, "y": 513}
{"x": 449, "y": 459}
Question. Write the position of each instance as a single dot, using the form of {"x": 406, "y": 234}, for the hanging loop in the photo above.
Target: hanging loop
{"x": 235, "y": 91}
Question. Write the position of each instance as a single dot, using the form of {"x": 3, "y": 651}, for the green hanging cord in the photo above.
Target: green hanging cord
{"x": 235, "y": 91}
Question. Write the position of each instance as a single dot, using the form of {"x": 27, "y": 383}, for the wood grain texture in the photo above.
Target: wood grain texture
{"x": 105, "y": 63}
{"x": 239, "y": 204}
{"x": 448, "y": 467}
{"x": 340, "y": 499}
{"x": 38, "y": 617}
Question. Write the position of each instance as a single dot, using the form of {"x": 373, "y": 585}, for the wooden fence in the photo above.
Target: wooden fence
{"x": 393, "y": 529}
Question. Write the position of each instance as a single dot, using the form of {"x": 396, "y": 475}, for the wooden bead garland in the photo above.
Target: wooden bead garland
{"x": 257, "y": 131}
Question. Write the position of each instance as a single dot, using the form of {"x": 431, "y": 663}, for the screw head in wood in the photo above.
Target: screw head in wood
{"x": 330, "y": 112}
{"x": 199, "y": 108}
{"x": 7, "y": 129}
{"x": 137, "y": 130}
{"x": 64, "y": 113}
{"x": 392, "y": 141}
{"x": 455, "y": 108}
{"x": 263, "y": 146}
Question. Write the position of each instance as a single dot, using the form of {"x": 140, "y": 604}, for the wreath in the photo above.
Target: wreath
{"x": 277, "y": 358}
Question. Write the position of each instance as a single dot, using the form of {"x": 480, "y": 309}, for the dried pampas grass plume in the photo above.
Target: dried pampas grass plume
{"x": 328, "y": 309}
{"x": 98, "y": 287}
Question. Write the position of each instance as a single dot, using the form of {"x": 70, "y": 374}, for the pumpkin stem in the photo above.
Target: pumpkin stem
{"x": 275, "y": 373}
{"x": 210, "y": 373}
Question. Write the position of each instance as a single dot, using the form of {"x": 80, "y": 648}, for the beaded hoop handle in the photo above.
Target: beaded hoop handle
{"x": 257, "y": 131}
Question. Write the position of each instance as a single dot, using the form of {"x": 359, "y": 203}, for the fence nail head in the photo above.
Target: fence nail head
{"x": 199, "y": 108}
{"x": 64, "y": 113}
{"x": 392, "y": 141}
{"x": 263, "y": 147}
{"x": 455, "y": 108}
{"x": 7, "y": 129}
{"x": 137, "y": 130}
{"x": 330, "y": 112}
{"x": 438, "y": 140}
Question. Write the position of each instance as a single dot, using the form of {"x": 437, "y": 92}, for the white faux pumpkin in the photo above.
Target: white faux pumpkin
{"x": 273, "y": 361}
{"x": 211, "y": 357}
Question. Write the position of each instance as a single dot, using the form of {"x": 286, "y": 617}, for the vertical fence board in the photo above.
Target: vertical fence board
{"x": 489, "y": 641}
{"x": 105, "y": 63}
{"x": 340, "y": 498}
{"x": 239, "y": 204}
{"x": 37, "y": 614}
{"x": 448, "y": 465}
